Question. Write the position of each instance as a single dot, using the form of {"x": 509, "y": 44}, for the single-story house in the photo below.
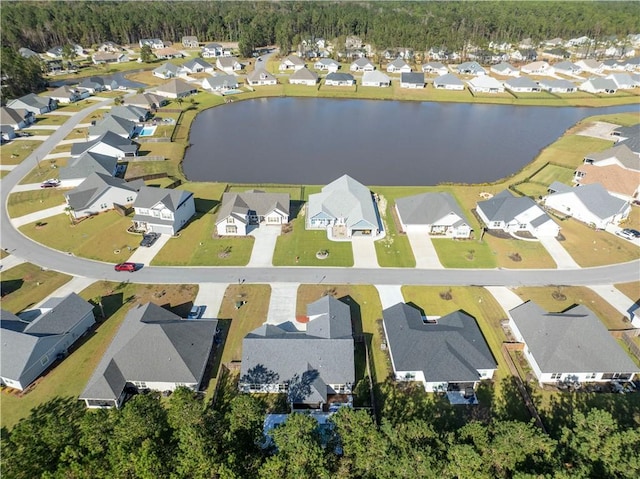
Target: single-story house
{"x": 435, "y": 68}
{"x": 130, "y": 112}
{"x": 30, "y": 348}
{"x": 516, "y": 214}
{"x": 154, "y": 349}
{"x": 115, "y": 124}
{"x": 309, "y": 366}
{"x": 327, "y": 64}
{"x": 228, "y": 64}
{"x": 97, "y": 84}
{"x": 38, "y": 105}
{"x": 505, "y": 69}
{"x": 304, "y": 76}
{"x": 522, "y": 85}
{"x": 197, "y": 65}
{"x": 620, "y": 155}
{"x": 398, "y": 66}
{"x": 66, "y": 94}
{"x": 617, "y": 180}
{"x": 81, "y": 167}
{"x": 599, "y": 85}
{"x": 536, "y": 68}
{"x": 375, "y": 78}
{"x": 590, "y": 65}
{"x": 99, "y": 193}
{"x": 446, "y": 354}
{"x": 471, "y": 68}
{"x": 623, "y": 81}
{"x": 220, "y": 82}
{"x": 190, "y": 41}
{"x": 162, "y": 210}
{"x": 109, "y": 47}
{"x": 569, "y": 347}
{"x": 292, "y": 62}
{"x": 344, "y": 208}
{"x": 566, "y": 68}
{"x": 556, "y": 54}
{"x": 412, "y": 80}
{"x": 154, "y": 43}
{"x": 485, "y": 84}
{"x": 339, "y": 79}
{"x": 146, "y": 100}
{"x": 27, "y": 53}
{"x": 553, "y": 85}
{"x": 176, "y": 88}
{"x": 7, "y": 133}
{"x": 167, "y": 53}
{"x": 362, "y": 65}
{"x": 448, "y": 82}
{"x": 167, "y": 70}
{"x": 591, "y": 204}
{"x": 433, "y": 214}
{"x": 109, "y": 57}
{"x": 17, "y": 119}
{"x": 109, "y": 144}
{"x": 261, "y": 77}
{"x": 240, "y": 213}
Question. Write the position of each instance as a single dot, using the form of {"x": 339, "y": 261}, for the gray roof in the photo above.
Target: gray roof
{"x": 620, "y": 152}
{"x": 504, "y": 206}
{"x": 597, "y": 200}
{"x": 429, "y": 208}
{"x": 65, "y": 91}
{"x": 501, "y": 67}
{"x": 557, "y": 84}
{"x": 129, "y": 112}
{"x": 304, "y": 74}
{"x": 375, "y": 76}
{"x": 222, "y": 81}
{"x": 326, "y": 347}
{"x": 340, "y": 77}
{"x": 473, "y": 67}
{"x": 296, "y": 60}
{"x": 448, "y": 79}
{"x": 632, "y": 134}
{"x": 96, "y": 184}
{"x": 227, "y": 62}
{"x": 10, "y": 321}
{"x": 108, "y": 138}
{"x": 149, "y": 196}
{"x": 252, "y": 202}
{"x": 521, "y": 82}
{"x": 118, "y": 125}
{"x": 573, "y": 342}
{"x": 328, "y": 61}
{"x": 345, "y": 198}
{"x": 398, "y": 63}
{"x": 152, "y": 345}
{"x": 31, "y": 100}
{"x": 412, "y": 77}
{"x": 259, "y": 74}
{"x": 9, "y": 116}
{"x": 97, "y": 82}
{"x": 566, "y": 65}
{"x": 451, "y": 349}
{"x": 86, "y": 164}
{"x": 145, "y": 100}
{"x": 27, "y": 53}
{"x": 362, "y": 62}
{"x": 62, "y": 318}
{"x": 557, "y": 186}
{"x": 177, "y": 87}
{"x": 167, "y": 68}
{"x": 434, "y": 66}
{"x": 191, "y": 64}
{"x": 599, "y": 83}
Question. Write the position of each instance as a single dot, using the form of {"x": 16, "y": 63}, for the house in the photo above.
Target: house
{"x": 522, "y": 85}
{"x": 197, "y": 65}
{"x": 448, "y": 82}
{"x": 435, "y": 68}
{"x": 292, "y": 62}
{"x": 569, "y": 347}
{"x": 115, "y": 124}
{"x": 447, "y": 354}
{"x": 590, "y": 65}
{"x": 154, "y": 43}
{"x": 109, "y": 47}
{"x": 556, "y": 54}
{"x": 628, "y": 136}
{"x": 344, "y": 208}
{"x": 167, "y": 53}
{"x": 161, "y": 210}
{"x": 166, "y": 71}
{"x": 433, "y": 214}
{"x": 38, "y": 105}
{"x": 591, "y": 204}
{"x": 339, "y": 79}
{"x": 260, "y": 77}
{"x": 524, "y": 55}
{"x": 147, "y": 100}
{"x": 154, "y": 349}
{"x": 505, "y": 69}
{"x": 566, "y": 68}
{"x": 375, "y": 78}
{"x": 554, "y": 42}
{"x": 309, "y": 366}
{"x": 109, "y": 57}
{"x": 220, "y": 83}
{"x": 471, "y": 68}
{"x": 304, "y": 76}
{"x": 109, "y": 144}
{"x": 398, "y": 66}
{"x": 99, "y": 193}
{"x": 616, "y": 179}
{"x": 190, "y": 41}
{"x": 516, "y": 214}
{"x": 412, "y": 80}
{"x": 536, "y": 68}
{"x": 485, "y": 84}
{"x": 599, "y": 85}
{"x": 176, "y": 88}
{"x": 327, "y": 64}
{"x": 132, "y": 113}
{"x": 240, "y": 213}
{"x": 7, "y": 133}
{"x": 553, "y": 85}
{"x": 622, "y": 80}
{"x": 362, "y": 65}
{"x": 619, "y": 155}
{"x": 78, "y": 169}
{"x": 17, "y": 119}
{"x": 228, "y": 64}
{"x": 30, "y": 348}
{"x": 612, "y": 64}
{"x": 97, "y": 84}
{"x": 212, "y": 50}
{"x": 27, "y": 53}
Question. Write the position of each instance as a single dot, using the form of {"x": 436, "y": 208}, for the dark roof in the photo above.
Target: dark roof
{"x": 149, "y": 196}
{"x": 96, "y": 184}
{"x": 340, "y": 77}
{"x": 108, "y": 138}
{"x": 86, "y": 164}
{"x": 504, "y": 206}
{"x": 451, "y": 349}
{"x": 428, "y": 208}
{"x": 412, "y": 77}
{"x": 62, "y": 318}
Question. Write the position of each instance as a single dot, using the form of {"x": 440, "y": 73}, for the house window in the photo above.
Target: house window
{"x": 140, "y": 384}
{"x": 103, "y": 206}
{"x": 166, "y": 215}
{"x": 523, "y": 226}
{"x": 230, "y": 219}
{"x": 273, "y": 219}
{"x": 129, "y": 199}
{"x": 495, "y": 224}
{"x": 556, "y": 376}
{"x": 156, "y": 214}
{"x": 232, "y": 229}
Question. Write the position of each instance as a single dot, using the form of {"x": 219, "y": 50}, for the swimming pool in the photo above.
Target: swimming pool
{"x": 147, "y": 131}
{"x": 232, "y": 91}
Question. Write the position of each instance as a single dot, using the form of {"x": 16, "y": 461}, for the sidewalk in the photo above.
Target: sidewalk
{"x": 38, "y": 215}
{"x": 558, "y": 253}
{"x": 424, "y": 251}
{"x": 505, "y": 297}
{"x": 10, "y": 261}
{"x": 75, "y": 285}
{"x": 614, "y": 297}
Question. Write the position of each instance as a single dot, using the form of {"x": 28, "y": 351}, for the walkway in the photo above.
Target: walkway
{"x": 424, "y": 251}
{"x": 558, "y": 253}
{"x": 27, "y": 187}
{"x": 144, "y": 255}
{"x": 390, "y": 294}
{"x": 38, "y": 215}
{"x": 7, "y": 167}
{"x": 364, "y": 253}
{"x": 505, "y": 297}
{"x": 211, "y": 296}
{"x": 282, "y": 304}
{"x": 264, "y": 246}
{"x": 75, "y": 285}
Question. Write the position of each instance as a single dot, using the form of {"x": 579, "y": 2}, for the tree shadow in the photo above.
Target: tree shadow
{"x": 260, "y": 374}
{"x": 300, "y": 386}
{"x": 509, "y": 405}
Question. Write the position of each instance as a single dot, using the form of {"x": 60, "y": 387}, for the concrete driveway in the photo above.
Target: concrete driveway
{"x": 390, "y": 294}
{"x": 38, "y": 215}
{"x": 282, "y": 304}
{"x": 364, "y": 253}
{"x": 423, "y": 251}
{"x": 507, "y": 298}
{"x": 558, "y": 253}
{"x": 615, "y": 298}
{"x": 144, "y": 255}
{"x": 10, "y": 261}
{"x": 264, "y": 246}
{"x": 211, "y": 296}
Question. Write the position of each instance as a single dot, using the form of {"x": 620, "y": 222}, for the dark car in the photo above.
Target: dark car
{"x": 52, "y": 183}
{"x": 148, "y": 239}
{"x": 196, "y": 312}
{"x": 131, "y": 267}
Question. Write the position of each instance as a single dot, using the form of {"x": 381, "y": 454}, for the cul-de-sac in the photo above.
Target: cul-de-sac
{"x": 282, "y": 240}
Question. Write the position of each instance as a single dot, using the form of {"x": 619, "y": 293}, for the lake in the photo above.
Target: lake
{"x": 314, "y": 141}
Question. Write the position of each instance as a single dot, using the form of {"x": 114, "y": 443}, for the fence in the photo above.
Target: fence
{"x": 633, "y": 347}
{"x": 146, "y": 158}
{"x": 154, "y": 176}
{"x": 157, "y": 140}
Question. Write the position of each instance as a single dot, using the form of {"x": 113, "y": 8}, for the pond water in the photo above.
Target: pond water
{"x": 314, "y": 141}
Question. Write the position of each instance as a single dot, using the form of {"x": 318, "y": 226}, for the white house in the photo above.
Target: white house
{"x": 166, "y": 71}
{"x": 569, "y": 347}
{"x": 260, "y": 77}
{"x": 398, "y": 66}
{"x": 197, "y": 65}
{"x": 109, "y": 57}
{"x": 154, "y": 43}
{"x": 108, "y": 144}
{"x": 485, "y": 84}
{"x": 161, "y": 210}
{"x": 17, "y": 119}
{"x": 522, "y": 85}
{"x": 304, "y": 76}
{"x": 622, "y": 80}
{"x": 65, "y": 94}
{"x": 448, "y": 82}
{"x": 99, "y": 193}
{"x": 599, "y": 85}
{"x": 339, "y": 79}
{"x": 240, "y": 213}
{"x": 212, "y": 50}
{"x": 292, "y": 62}
{"x": 505, "y": 69}
{"x": 553, "y": 85}
{"x": 375, "y": 78}
{"x": 471, "y": 68}
{"x": 38, "y": 105}
{"x": 362, "y": 65}
{"x": 433, "y": 214}
{"x": 590, "y": 66}
{"x": 81, "y": 167}
{"x": 412, "y": 80}
{"x": 327, "y": 64}
{"x": 435, "y": 68}
{"x": 228, "y": 64}
{"x": 176, "y": 88}
{"x": 536, "y": 68}
{"x": 566, "y": 68}
{"x": 220, "y": 82}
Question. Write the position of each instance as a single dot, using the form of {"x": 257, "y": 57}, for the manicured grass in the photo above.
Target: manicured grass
{"x": 589, "y": 247}
{"x": 87, "y": 238}
{"x": 633, "y": 221}
{"x": 146, "y": 77}
{"x": 464, "y": 253}
{"x": 630, "y": 290}
{"x": 62, "y": 149}
{"x": 70, "y": 377}
{"x": 551, "y": 173}
{"x": 14, "y": 152}
{"x": 543, "y": 297}
{"x": 136, "y": 169}
{"x": 4, "y": 173}
{"x": 77, "y": 106}
{"x": 299, "y": 247}
{"x": 570, "y": 150}
{"x": 394, "y": 250}
{"x": 624, "y": 119}
{"x": 95, "y": 116}
{"x": 37, "y": 132}
{"x": 51, "y": 120}
{"x": 78, "y": 134}
{"x": 25, "y": 202}
{"x": 27, "y": 284}
{"x": 44, "y": 171}
{"x": 532, "y": 254}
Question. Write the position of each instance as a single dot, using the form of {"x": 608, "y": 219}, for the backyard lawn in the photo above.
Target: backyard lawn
{"x": 25, "y": 202}
{"x": 26, "y": 284}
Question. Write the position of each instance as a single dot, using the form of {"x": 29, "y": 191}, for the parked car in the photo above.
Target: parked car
{"x": 196, "y": 312}
{"x": 148, "y": 239}
{"x": 629, "y": 234}
{"x": 50, "y": 183}
{"x": 130, "y": 267}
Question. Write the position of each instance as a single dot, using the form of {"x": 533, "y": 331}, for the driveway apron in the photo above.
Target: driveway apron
{"x": 264, "y": 246}
{"x": 390, "y": 294}
{"x": 282, "y": 304}
{"x": 10, "y": 261}
{"x": 505, "y": 297}
{"x": 211, "y": 296}
{"x": 75, "y": 285}
{"x": 558, "y": 253}
{"x": 615, "y": 298}
{"x": 145, "y": 255}
{"x": 38, "y": 215}
{"x": 423, "y": 251}
{"x": 364, "y": 253}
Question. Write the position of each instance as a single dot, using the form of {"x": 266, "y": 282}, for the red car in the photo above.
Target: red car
{"x": 131, "y": 267}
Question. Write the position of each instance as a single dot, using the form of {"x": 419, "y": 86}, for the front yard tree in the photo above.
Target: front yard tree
{"x": 146, "y": 55}
{"x": 68, "y": 54}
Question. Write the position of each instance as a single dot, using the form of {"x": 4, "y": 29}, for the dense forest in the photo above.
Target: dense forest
{"x": 417, "y": 25}
{"x": 419, "y": 435}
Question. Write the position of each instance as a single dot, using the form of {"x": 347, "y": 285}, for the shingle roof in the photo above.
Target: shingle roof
{"x": 167, "y": 67}
{"x": 257, "y": 201}
{"x": 96, "y": 184}
{"x": 86, "y": 164}
{"x": 129, "y": 112}
{"x": 149, "y": 196}
{"x": 108, "y": 138}
{"x": 557, "y": 84}
{"x": 504, "y": 67}
{"x": 574, "y": 341}
{"x": 362, "y": 62}
{"x": 599, "y": 83}
{"x": 145, "y": 99}
{"x": 621, "y": 152}
{"x": 448, "y": 79}
{"x": 452, "y": 349}
{"x": 295, "y": 60}
{"x": 176, "y": 86}
{"x": 62, "y": 318}
{"x": 227, "y": 62}
{"x": 416, "y": 78}
{"x": 521, "y": 82}
{"x": 504, "y": 206}
{"x": 191, "y": 64}
{"x": 259, "y": 74}
{"x": 398, "y": 63}
{"x": 222, "y": 81}
{"x": 596, "y": 199}
{"x": 375, "y": 77}
{"x": 304, "y": 74}
{"x": 9, "y": 116}
{"x": 428, "y": 208}
{"x": 116, "y": 124}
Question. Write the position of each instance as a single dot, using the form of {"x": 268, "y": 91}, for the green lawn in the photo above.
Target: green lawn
{"x": 26, "y": 284}
{"x": 76, "y": 106}
{"x": 517, "y": 254}
{"x": 25, "y": 202}
{"x": 551, "y": 173}
{"x": 51, "y": 120}
{"x": 394, "y": 250}
{"x": 15, "y": 151}
{"x": 44, "y": 171}
{"x": 78, "y": 134}
{"x": 464, "y": 253}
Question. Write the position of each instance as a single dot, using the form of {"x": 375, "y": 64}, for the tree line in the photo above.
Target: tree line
{"x": 183, "y": 437}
